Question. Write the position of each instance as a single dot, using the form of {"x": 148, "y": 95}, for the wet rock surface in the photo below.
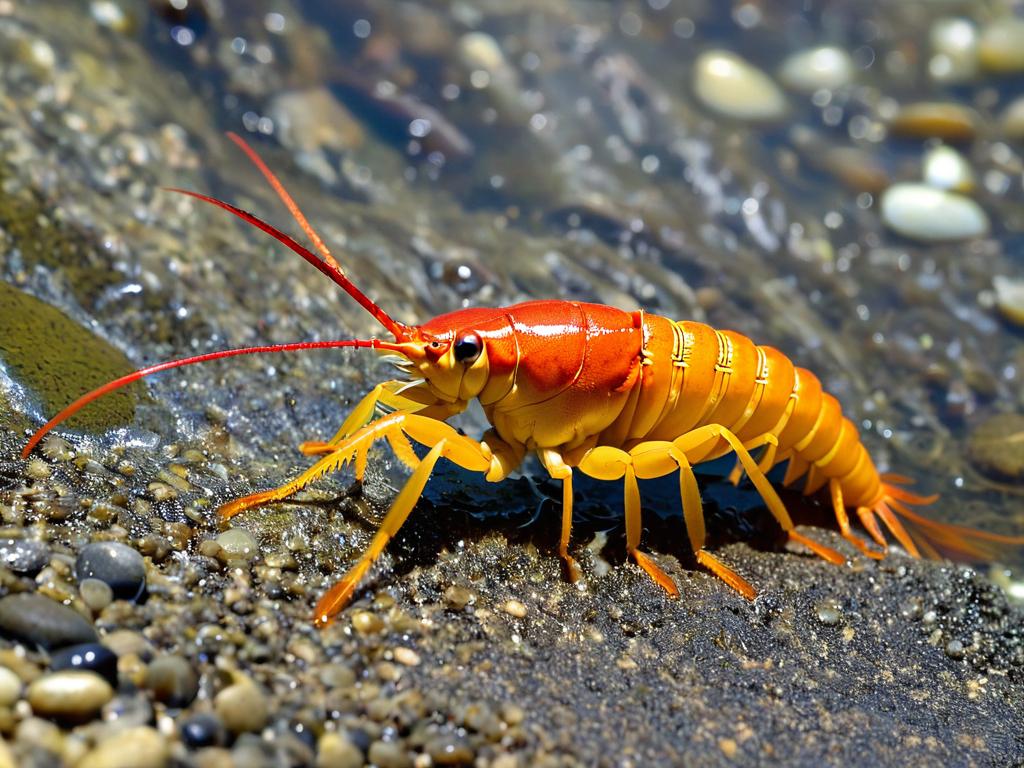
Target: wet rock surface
{"x": 452, "y": 154}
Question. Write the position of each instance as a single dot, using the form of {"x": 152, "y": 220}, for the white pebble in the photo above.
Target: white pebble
{"x": 1001, "y": 46}
{"x": 925, "y": 213}
{"x": 826, "y": 68}
{"x": 945, "y": 168}
{"x": 735, "y": 88}
{"x": 954, "y": 45}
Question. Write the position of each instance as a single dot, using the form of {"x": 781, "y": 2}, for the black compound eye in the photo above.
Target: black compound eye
{"x": 467, "y": 348}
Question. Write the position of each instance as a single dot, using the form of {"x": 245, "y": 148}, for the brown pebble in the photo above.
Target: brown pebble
{"x": 69, "y": 695}
{"x": 407, "y": 656}
{"x": 941, "y": 120}
{"x": 457, "y": 598}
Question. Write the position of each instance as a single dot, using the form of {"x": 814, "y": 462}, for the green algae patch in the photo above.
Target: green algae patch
{"x": 59, "y": 361}
{"x": 43, "y": 237}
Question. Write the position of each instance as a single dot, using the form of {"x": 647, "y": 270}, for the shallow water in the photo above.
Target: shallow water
{"x": 457, "y": 154}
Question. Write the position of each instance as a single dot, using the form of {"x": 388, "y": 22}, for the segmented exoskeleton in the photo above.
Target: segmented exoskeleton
{"x": 612, "y": 394}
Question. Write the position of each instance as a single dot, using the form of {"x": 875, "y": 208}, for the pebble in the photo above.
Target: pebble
{"x": 96, "y": 594}
{"x": 367, "y": 623}
{"x": 34, "y": 619}
{"x": 945, "y": 168}
{"x": 109, "y": 14}
{"x": 69, "y": 695}
{"x": 140, "y": 747}
{"x": 10, "y": 687}
{"x": 407, "y": 656}
{"x": 89, "y": 657}
{"x": 731, "y": 86}
{"x": 39, "y": 733}
{"x": 456, "y": 598}
{"x": 120, "y": 566}
{"x": 313, "y": 119}
{"x": 825, "y": 68}
{"x": 334, "y": 750}
{"x": 954, "y": 45}
{"x": 238, "y": 544}
{"x": 1010, "y": 298}
{"x": 1012, "y": 120}
{"x": 955, "y": 649}
{"x": 921, "y": 212}
{"x": 203, "y": 730}
{"x": 996, "y": 447}
{"x": 449, "y": 750}
{"x": 388, "y": 754}
{"x": 24, "y": 555}
{"x": 935, "y": 119}
{"x": 515, "y": 608}
{"x": 242, "y": 707}
{"x": 1001, "y": 45}
{"x": 172, "y": 681}
{"x": 829, "y": 613}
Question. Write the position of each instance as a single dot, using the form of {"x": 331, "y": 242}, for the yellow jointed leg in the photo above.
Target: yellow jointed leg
{"x": 338, "y": 596}
{"x": 698, "y": 437}
{"x": 395, "y": 428}
{"x": 765, "y": 463}
{"x": 607, "y": 463}
{"x": 844, "y": 521}
{"x": 411, "y": 400}
{"x": 558, "y": 469}
{"x": 657, "y": 458}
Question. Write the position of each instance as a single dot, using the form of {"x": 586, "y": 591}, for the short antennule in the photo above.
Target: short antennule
{"x": 124, "y": 381}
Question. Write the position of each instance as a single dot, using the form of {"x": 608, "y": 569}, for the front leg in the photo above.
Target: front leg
{"x": 393, "y": 395}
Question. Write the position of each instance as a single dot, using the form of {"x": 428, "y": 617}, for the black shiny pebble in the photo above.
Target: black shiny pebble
{"x": 203, "y": 730}
{"x": 117, "y": 564}
{"x": 38, "y": 620}
{"x": 88, "y": 656}
{"x": 25, "y": 556}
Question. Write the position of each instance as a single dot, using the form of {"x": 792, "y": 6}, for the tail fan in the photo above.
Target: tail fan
{"x": 932, "y": 538}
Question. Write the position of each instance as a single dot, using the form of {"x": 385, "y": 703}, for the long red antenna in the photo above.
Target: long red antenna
{"x": 286, "y": 198}
{"x": 398, "y": 330}
{"x": 311, "y": 233}
{"x": 110, "y": 386}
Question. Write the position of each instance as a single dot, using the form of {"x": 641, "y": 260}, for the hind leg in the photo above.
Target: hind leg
{"x": 697, "y": 438}
{"x": 844, "y": 521}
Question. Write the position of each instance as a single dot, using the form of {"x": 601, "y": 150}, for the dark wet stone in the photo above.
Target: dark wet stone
{"x": 38, "y": 620}
{"x": 24, "y": 555}
{"x": 203, "y": 730}
{"x": 172, "y": 681}
{"x": 89, "y": 656}
{"x": 118, "y": 565}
